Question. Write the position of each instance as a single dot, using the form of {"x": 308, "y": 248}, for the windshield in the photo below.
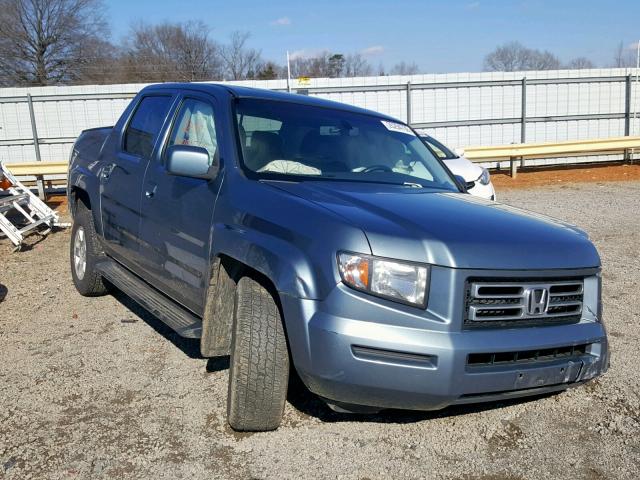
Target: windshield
{"x": 441, "y": 151}
{"x": 283, "y": 140}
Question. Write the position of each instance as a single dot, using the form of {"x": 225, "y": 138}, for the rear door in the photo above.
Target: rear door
{"x": 177, "y": 212}
{"x": 123, "y": 171}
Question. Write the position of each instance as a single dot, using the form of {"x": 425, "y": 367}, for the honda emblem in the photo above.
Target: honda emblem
{"x": 537, "y": 301}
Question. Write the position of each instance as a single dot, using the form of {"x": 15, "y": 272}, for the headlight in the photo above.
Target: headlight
{"x": 485, "y": 178}
{"x": 402, "y": 282}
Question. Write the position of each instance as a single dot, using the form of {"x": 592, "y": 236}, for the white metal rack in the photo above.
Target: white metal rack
{"x": 38, "y": 217}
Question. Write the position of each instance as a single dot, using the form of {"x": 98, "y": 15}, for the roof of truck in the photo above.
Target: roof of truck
{"x": 249, "y": 92}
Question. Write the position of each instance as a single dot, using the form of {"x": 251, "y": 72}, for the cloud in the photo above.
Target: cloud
{"x": 633, "y": 46}
{"x": 281, "y": 22}
{"x": 472, "y": 5}
{"x": 372, "y": 50}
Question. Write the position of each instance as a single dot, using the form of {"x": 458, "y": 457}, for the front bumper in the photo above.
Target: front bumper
{"x": 356, "y": 350}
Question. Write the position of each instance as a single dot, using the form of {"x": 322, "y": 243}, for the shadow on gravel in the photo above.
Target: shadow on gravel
{"x": 190, "y": 346}
{"x": 3, "y": 292}
{"x": 217, "y": 364}
{"x": 309, "y": 404}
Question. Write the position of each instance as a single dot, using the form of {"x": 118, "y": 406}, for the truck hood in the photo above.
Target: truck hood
{"x": 464, "y": 168}
{"x": 450, "y": 229}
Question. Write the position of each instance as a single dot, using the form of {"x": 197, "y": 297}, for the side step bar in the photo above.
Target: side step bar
{"x": 178, "y": 318}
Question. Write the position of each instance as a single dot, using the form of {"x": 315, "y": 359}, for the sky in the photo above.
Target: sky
{"x": 438, "y": 35}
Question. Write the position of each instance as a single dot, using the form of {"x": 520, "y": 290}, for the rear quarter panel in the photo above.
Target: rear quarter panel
{"x": 84, "y": 165}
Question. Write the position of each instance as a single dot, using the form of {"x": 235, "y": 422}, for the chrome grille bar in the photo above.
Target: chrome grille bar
{"x": 489, "y": 301}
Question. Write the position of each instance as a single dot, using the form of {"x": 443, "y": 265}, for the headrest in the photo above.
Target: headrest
{"x": 269, "y": 140}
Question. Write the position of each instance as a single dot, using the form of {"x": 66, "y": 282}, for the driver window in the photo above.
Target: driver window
{"x": 195, "y": 126}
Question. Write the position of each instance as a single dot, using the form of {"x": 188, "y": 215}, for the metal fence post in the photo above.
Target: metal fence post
{"x": 408, "y": 103}
{"x": 627, "y": 106}
{"x": 36, "y": 145}
{"x": 523, "y": 115}
{"x": 627, "y": 113}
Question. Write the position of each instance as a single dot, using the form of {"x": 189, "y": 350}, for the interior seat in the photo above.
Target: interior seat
{"x": 265, "y": 147}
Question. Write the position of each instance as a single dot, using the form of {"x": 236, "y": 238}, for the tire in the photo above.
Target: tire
{"x": 88, "y": 281}
{"x": 259, "y": 366}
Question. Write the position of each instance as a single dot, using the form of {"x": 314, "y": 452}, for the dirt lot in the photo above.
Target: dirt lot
{"x": 97, "y": 388}
{"x": 566, "y": 174}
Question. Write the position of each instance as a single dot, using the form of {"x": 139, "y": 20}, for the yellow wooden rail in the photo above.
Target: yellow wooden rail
{"x": 519, "y": 152}
{"x": 40, "y": 170}
{"x": 37, "y": 168}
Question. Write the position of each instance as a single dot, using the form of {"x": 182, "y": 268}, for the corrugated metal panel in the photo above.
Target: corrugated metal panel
{"x": 68, "y": 116}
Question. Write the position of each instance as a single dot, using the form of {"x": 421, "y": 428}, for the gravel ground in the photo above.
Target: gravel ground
{"x": 97, "y": 388}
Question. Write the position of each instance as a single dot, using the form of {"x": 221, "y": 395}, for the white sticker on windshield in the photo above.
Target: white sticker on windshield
{"x": 397, "y": 127}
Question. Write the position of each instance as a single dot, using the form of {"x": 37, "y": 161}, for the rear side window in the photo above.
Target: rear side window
{"x": 145, "y": 125}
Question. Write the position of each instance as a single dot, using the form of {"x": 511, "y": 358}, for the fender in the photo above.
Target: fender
{"x": 281, "y": 262}
{"x": 296, "y": 253}
{"x": 81, "y": 178}
{"x": 296, "y": 250}
{"x": 84, "y": 166}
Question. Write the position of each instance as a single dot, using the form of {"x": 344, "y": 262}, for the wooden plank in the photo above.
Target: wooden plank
{"x": 38, "y": 168}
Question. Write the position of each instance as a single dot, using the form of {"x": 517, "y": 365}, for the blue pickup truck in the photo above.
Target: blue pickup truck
{"x": 301, "y": 235}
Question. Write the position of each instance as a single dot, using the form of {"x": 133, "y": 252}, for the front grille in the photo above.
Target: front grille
{"x": 511, "y": 303}
{"x": 543, "y": 355}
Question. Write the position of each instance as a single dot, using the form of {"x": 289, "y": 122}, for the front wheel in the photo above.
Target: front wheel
{"x": 259, "y": 370}
{"x": 85, "y": 252}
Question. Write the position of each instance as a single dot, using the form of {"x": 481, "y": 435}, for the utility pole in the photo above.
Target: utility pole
{"x": 288, "y": 73}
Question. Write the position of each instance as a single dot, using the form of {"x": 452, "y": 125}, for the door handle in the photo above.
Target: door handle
{"x": 105, "y": 173}
{"x": 151, "y": 193}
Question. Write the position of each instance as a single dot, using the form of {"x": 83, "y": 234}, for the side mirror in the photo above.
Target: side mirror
{"x": 462, "y": 183}
{"x": 189, "y": 161}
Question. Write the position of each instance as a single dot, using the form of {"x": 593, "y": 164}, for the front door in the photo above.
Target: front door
{"x": 177, "y": 212}
{"x": 126, "y": 158}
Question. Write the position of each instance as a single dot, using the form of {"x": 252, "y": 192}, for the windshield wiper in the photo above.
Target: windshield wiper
{"x": 413, "y": 185}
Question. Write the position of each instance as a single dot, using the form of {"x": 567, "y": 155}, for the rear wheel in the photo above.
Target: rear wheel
{"x": 85, "y": 252}
{"x": 259, "y": 370}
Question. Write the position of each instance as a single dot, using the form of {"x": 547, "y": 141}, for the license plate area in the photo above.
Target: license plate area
{"x": 544, "y": 376}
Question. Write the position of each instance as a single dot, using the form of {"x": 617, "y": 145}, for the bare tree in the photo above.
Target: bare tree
{"x": 404, "y": 68}
{"x": 509, "y": 57}
{"x": 544, "y": 61}
{"x": 321, "y": 65}
{"x": 333, "y": 65}
{"x": 623, "y": 57}
{"x": 355, "y": 65}
{"x": 45, "y": 42}
{"x": 514, "y": 56}
{"x": 239, "y": 61}
{"x": 102, "y": 63}
{"x": 170, "y": 52}
{"x": 579, "y": 63}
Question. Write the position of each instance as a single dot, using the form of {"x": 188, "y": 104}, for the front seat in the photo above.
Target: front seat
{"x": 265, "y": 147}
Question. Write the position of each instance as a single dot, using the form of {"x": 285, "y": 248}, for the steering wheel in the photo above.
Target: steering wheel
{"x": 377, "y": 168}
